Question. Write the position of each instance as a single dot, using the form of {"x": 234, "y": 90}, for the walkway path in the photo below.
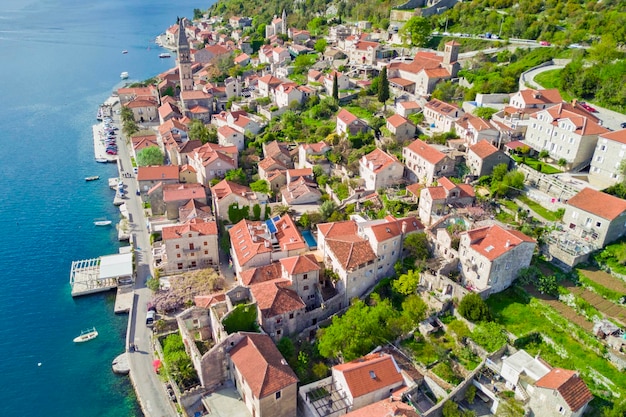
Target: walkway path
{"x": 150, "y": 390}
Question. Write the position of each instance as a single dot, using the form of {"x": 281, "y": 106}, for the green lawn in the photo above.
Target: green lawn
{"x": 509, "y": 205}
{"x": 565, "y": 345}
{"x": 549, "y": 215}
{"x": 360, "y": 112}
{"x": 534, "y": 164}
{"x": 298, "y": 78}
{"x": 551, "y": 79}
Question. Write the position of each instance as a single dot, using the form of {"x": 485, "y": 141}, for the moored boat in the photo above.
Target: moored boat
{"x": 86, "y": 335}
{"x": 102, "y": 160}
{"x": 124, "y": 51}
{"x": 92, "y": 178}
{"x": 124, "y": 75}
{"x": 164, "y": 55}
{"x": 102, "y": 222}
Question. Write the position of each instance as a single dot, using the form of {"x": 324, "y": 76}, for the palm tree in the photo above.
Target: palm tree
{"x": 281, "y": 209}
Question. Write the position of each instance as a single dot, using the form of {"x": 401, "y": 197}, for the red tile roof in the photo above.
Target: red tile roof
{"x": 261, "y": 365}
{"x": 393, "y": 227}
{"x": 346, "y": 117}
{"x": 409, "y": 105}
{"x": 370, "y": 373}
{"x": 569, "y": 385}
{"x": 441, "y": 107}
{"x": 270, "y": 164}
{"x": 396, "y": 120}
{"x": 483, "y": 149}
{"x": 415, "y": 188}
{"x": 261, "y": 274}
{"x": 426, "y": 151}
{"x": 194, "y": 226}
{"x": 617, "y": 136}
{"x": 319, "y": 147}
{"x": 379, "y": 160}
{"x": 205, "y": 301}
{"x": 532, "y": 97}
{"x": 273, "y": 298}
{"x": 596, "y": 202}
{"x": 351, "y": 251}
{"x": 494, "y": 241}
{"x": 178, "y": 192}
{"x": 157, "y": 173}
{"x": 300, "y": 264}
{"x": 584, "y": 123}
{"x": 337, "y": 229}
{"x": 388, "y": 407}
{"x": 224, "y": 188}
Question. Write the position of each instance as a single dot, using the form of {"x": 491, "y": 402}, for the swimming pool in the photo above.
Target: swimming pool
{"x": 309, "y": 239}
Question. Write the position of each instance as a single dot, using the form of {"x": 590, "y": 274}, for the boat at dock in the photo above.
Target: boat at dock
{"x": 124, "y": 51}
{"x": 92, "y": 178}
{"x": 102, "y": 222}
{"x": 102, "y": 160}
{"x": 86, "y": 335}
{"x": 124, "y": 75}
{"x": 164, "y": 55}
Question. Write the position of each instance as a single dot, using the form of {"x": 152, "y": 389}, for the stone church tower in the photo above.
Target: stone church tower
{"x": 451, "y": 57}
{"x": 184, "y": 58}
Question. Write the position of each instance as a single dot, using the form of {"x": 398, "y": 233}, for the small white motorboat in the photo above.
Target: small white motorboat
{"x": 164, "y": 55}
{"x": 102, "y": 222}
{"x": 86, "y": 335}
{"x": 124, "y": 51}
{"x": 92, "y": 178}
{"x": 124, "y": 75}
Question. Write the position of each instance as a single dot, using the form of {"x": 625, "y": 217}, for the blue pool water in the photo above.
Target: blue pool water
{"x": 309, "y": 239}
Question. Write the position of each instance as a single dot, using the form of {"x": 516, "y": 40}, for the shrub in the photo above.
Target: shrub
{"x": 474, "y": 308}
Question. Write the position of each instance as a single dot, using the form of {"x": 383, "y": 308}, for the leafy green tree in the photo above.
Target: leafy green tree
{"x": 450, "y": 409}
{"x": 359, "y": 330}
{"x": 320, "y": 45}
{"x": 485, "y": 112}
{"x": 499, "y": 171}
{"x": 406, "y": 284}
{"x": 153, "y": 284}
{"x": 286, "y": 348}
{"x": 260, "y": 186}
{"x": 417, "y": 31}
{"x": 474, "y": 308}
{"x": 200, "y": 131}
{"x": 459, "y": 328}
{"x": 237, "y": 175}
{"x": 152, "y": 155}
{"x": 417, "y": 245}
{"x": 548, "y": 284}
{"x": 414, "y": 311}
{"x": 327, "y": 209}
{"x": 383, "y": 87}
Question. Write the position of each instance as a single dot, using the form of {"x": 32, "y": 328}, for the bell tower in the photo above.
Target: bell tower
{"x": 184, "y": 58}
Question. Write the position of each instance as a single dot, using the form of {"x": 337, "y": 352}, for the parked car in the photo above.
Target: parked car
{"x": 623, "y": 125}
{"x": 544, "y": 43}
{"x": 588, "y": 107}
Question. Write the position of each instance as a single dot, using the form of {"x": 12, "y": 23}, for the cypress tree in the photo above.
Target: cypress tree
{"x": 335, "y": 87}
{"x": 383, "y": 87}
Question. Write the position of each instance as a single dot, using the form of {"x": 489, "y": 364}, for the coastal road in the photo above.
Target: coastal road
{"x": 148, "y": 387}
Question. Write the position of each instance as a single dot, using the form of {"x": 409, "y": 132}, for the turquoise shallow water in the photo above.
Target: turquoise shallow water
{"x": 60, "y": 59}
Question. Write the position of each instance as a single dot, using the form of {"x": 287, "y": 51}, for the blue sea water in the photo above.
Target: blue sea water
{"x": 60, "y": 60}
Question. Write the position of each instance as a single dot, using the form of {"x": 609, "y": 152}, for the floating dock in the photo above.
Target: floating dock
{"x": 95, "y": 275}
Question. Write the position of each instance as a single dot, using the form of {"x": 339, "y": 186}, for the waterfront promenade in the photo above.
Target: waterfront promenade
{"x": 150, "y": 390}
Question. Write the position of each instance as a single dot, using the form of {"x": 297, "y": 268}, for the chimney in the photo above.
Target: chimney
{"x": 574, "y": 102}
{"x": 403, "y": 228}
{"x": 508, "y": 243}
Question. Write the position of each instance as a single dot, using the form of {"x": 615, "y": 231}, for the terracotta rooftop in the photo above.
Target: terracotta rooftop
{"x": 318, "y": 147}
{"x": 426, "y": 151}
{"x": 377, "y": 160}
{"x": 352, "y": 251}
{"x": 157, "y": 173}
{"x": 493, "y": 241}
{"x": 569, "y": 385}
{"x": 269, "y": 164}
{"x": 370, "y": 373}
{"x": 300, "y": 264}
{"x": 298, "y": 188}
{"x": 389, "y": 407}
{"x": 483, "y": 149}
{"x": 534, "y": 97}
{"x": 224, "y": 188}
{"x": 396, "y": 120}
{"x": 337, "y": 229}
{"x": 442, "y": 107}
{"x": 584, "y": 123}
{"x": 205, "y": 301}
{"x": 196, "y": 227}
{"x": 617, "y": 136}
{"x": 596, "y": 202}
{"x": 261, "y": 365}
{"x": 261, "y": 274}
{"x": 274, "y": 149}
{"x": 346, "y": 117}
{"x": 178, "y": 192}
{"x": 275, "y": 298}
{"x": 393, "y": 227}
